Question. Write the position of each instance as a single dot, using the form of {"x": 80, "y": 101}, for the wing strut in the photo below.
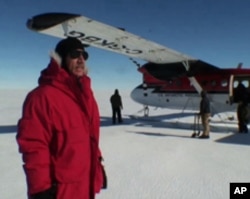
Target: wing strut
{"x": 192, "y": 80}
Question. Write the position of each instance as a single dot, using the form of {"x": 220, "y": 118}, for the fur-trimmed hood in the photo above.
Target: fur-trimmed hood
{"x": 53, "y": 72}
{"x": 54, "y": 55}
{"x": 54, "y": 75}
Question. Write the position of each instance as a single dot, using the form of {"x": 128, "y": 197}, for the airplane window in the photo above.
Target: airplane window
{"x": 213, "y": 83}
{"x": 170, "y": 82}
{"x": 245, "y": 83}
{"x": 224, "y": 83}
{"x": 204, "y": 83}
{"x": 236, "y": 83}
{"x": 178, "y": 82}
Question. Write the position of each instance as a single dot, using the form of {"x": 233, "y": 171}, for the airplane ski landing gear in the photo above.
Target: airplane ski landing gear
{"x": 146, "y": 111}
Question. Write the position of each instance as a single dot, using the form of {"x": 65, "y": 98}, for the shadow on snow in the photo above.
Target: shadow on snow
{"x": 160, "y": 121}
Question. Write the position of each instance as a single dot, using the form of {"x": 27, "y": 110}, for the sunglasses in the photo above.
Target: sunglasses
{"x": 77, "y": 53}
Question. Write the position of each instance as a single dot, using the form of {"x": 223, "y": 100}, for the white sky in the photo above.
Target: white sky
{"x": 144, "y": 159}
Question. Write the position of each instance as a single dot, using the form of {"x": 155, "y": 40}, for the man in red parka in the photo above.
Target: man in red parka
{"x": 58, "y": 133}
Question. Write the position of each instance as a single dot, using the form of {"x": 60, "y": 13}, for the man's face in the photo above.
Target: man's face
{"x": 75, "y": 63}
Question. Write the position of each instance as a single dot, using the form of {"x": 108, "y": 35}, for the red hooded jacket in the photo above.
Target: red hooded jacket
{"x": 58, "y": 136}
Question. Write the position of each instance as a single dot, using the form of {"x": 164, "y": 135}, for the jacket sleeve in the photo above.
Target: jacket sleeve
{"x": 33, "y": 138}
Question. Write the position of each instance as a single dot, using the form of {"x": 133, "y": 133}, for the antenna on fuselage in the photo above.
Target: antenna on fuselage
{"x": 240, "y": 65}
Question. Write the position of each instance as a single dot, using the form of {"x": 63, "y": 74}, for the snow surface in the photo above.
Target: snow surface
{"x": 145, "y": 158}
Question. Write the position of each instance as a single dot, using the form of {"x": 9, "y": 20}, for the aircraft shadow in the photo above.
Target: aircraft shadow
{"x": 161, "y": 121}
{"x": 8, "y": 129}
{"x": 237, "y": 138}
{"x": 107, "y": 121}
{"x": 241, "y": 139}
{"x": 165, "y": 116}
{"x": 185, "y": 125}
{"x": 158, "y": 134}
{"x": 132, "y": 119}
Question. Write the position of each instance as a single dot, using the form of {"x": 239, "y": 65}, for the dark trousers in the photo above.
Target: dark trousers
{"x": 242, "y": 127}
{"x": 116, "y": 114}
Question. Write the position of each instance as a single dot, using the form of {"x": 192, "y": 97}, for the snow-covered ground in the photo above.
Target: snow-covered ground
{"x": 145, "y": 158}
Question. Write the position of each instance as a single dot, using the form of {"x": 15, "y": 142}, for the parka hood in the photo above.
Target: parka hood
{"x": 53, "y": 71}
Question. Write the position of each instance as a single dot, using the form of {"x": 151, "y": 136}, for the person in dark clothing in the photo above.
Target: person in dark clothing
{"x": 205, "y": 114}
{"x": 242, "y": 113}
{"x": 116, "y": 104}
{"x": 240, "y": 93}
{"x": 241, "y": 97}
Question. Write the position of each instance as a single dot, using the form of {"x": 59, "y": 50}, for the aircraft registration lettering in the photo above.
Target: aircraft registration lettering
{"x": 102, "y": 42}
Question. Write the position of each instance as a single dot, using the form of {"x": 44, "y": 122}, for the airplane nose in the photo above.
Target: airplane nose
{"x": 133, "y": 94}
{"x": 137, "y": 94}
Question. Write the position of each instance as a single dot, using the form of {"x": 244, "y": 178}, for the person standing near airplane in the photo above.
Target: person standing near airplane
{"x": 241, "y": 96}
{"x": 116, "y": 104}
{"x": 242, "y": 115}
{"x": 58, "y": 133}
{"x": 240, "y": 93}
{"x": 205, "y": 114}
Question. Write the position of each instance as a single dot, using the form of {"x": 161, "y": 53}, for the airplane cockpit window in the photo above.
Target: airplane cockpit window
{"x": 224, "y": 83}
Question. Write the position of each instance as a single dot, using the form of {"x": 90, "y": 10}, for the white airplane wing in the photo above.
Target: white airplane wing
{"x": 100, "y": 35}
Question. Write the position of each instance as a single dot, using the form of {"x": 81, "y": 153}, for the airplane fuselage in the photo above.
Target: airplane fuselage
{"x": 180, "y": 100}
{"x": 170, "y": 87}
